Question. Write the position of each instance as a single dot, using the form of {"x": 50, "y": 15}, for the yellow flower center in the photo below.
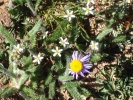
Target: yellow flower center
{"x": 76, "y": 65}
{"x": 93, "y": 46}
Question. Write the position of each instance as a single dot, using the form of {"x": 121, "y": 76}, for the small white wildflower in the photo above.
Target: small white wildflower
{"x": 17, "y": 49}
{"x": 69, "y": 15}
{"x": 94, "y": 45}
{"x": 63, "y": 42}
{"x": 88, "y": 10}
{"x": 57, "y": 52}
{"x": 37, "y": 58}
{"x": 90, "y": 1}
{"x": 45, "y": 34}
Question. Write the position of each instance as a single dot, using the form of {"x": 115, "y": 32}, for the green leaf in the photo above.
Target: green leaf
{"x": 48, "y": 78}
{"x": 27, "y": 61}
{"x": 119, "y": 39}
{"x": 21, "y": 2}
{"x": 74, "y": 93}
{"x": 37, "y": 4}
{"x": 31, "y": 6}
{"x": 96, "y": 57}
{"x": 84, "y": 91}
{"x": 32, "y": 69}
{"x": 23, "y": 78}
{"x": 29, "y": 91}
{"x": 67, "y": 65}
{"x": 65, "y": 78}
{"x": 5, "y": 71}
{"x": 36, "y": 28}
{"x": 42, "y": 97}
{"x": 70, "y": 84}
{"x": 104, "y": 33}
{"x": 6, "y": 92}
{"x": 24, "y": 95}
{"x": 51, "y": 90}
{"x": 8, "y": 36}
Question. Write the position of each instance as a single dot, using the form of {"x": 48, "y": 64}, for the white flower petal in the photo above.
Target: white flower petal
{"x": 73, "y": 16}
{"x": 67, "y": 11}
{"x": 53, "y": 50}
{"x": 69, "y": 19}
{"x": 54, "y": 54}
{"x": 84, "y": 8}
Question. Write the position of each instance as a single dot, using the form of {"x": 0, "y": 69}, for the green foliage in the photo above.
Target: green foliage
{"x": 39, "y": 79}
{"x": 4, "y": 78}
{"x": 36, "y": 28}
{"x": 5, "y": 71}
{"x": 119, "y": 39}
{"x": 65, "y": 78}
{"x": 58, "y": 31}
{"x": 70, "y": 84}
{"x": 84, "y": 91}
{"x": 74, "y": 92}
{"x": 6, "y": 92}
{"x": 27, "y": 62}
{"x": 51, "y": 89}
{"x": 49, "y": 78}
{"x": 24, "y": 95}
{"x": 21, "y": 2}
{"x": 31, "y": 6}
{"x": 96, "y": 57}
{"x": 105, "y": 32}
{"x": 9, "y": 38}
{"x": 28, "y": 91}
{"x": 37, "y": 4}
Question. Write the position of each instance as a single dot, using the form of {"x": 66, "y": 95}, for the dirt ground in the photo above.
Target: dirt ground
{"x": 4, "y": 16}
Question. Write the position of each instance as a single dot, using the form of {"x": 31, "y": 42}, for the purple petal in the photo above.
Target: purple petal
{"x": 76, "y": 54}
{"x": 79, "y": 56}
{"x": 73, "y": 55}
{"x": 85, "y": 58}
{"x": 76, "y": 75}
{"x": 87, "y": 66}
{"x": 81, "y": 74}
{"x": 73, "y": 75}
{"x": 85, "y": 71}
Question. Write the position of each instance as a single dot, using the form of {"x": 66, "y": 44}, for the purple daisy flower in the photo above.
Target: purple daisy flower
{"x": 79, "y": 64}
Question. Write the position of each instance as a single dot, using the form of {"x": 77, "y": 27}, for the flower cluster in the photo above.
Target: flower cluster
{"x": 16, "y": 52}
{"x": 88, "y": 10}
{"x": 17, "y": 49}
{"x": 57, "y": 51}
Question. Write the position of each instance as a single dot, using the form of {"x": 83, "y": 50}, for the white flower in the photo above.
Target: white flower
{"x": 17, "y": 48}
{"x": 69, "y": 15}
{"x": 37, "y": 58}
{"x": 57, "y": 52}
{"x": 45, "y": 34}
{"x": 90, "y": 1}
{"x": 63, "y": 42}
{"x": 94, "y": 45}
{"x": 88, "y": 10}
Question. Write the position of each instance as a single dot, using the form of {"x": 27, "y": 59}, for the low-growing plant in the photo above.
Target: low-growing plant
{"x": 53, "y": 46}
